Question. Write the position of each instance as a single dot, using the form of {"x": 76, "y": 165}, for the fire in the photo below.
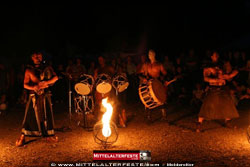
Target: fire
{"x": 106, "y": 131}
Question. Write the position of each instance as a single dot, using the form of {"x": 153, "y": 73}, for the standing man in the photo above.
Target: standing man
{"x": 218, "y": 103}
{"x": 153, "y": 70}
{"x": 102, "y": 68}
{"x": 38, "y": 120}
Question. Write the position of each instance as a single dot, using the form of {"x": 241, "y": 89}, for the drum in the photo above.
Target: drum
{"x": 120, "y": 82}
{"x": 103, "y": 83}
{"x": 152, "y": 93}
{"x": 84, "y": 87}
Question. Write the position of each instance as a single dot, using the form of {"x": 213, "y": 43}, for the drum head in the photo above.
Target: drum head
{"x": 103, "y": 87}
{"x": 82, "y": 89}
{"x": 159, "y": 90}
{"x": 123, "y": 87}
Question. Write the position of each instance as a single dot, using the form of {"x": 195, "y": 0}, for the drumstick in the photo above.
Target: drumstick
{"x": 171, "y": 81}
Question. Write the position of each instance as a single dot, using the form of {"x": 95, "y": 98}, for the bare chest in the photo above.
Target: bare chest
{"x": 154, "y": 68}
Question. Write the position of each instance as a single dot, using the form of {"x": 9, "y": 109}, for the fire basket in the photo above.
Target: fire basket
{"x": 105, "y": 131}
{"x": 103, "y": 140}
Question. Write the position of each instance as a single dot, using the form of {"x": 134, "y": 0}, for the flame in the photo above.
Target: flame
{"x": 106, "y": 131}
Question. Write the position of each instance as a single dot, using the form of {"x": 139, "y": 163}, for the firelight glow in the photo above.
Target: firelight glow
{"x": 106, "y": 131}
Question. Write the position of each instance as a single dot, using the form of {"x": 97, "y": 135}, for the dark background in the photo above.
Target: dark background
{"x": 67, "y": 29}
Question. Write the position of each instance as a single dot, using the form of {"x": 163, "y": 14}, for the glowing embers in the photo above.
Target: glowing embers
{"x": 105, "y": 131}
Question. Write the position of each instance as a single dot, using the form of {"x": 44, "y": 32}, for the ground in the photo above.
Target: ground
{"x": 174, "y": 140}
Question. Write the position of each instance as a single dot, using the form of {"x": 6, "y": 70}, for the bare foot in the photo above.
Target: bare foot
{"x": 21, "y": 141}
{"x": 52, "y": 139}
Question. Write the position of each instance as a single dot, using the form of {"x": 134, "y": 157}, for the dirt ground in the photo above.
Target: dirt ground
{"x": 173, "y": 141}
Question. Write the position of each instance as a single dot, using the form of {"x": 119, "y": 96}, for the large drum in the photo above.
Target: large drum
{"x": 120, "y": 82}
{"x": 152, "y": 93}
{"x": 84, "y": 87}
{"x": 103, "y": 83}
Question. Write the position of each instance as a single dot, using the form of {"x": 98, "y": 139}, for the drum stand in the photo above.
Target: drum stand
{"x": 82, "y": 99}
{"x": 67, "y": 128}
{"x": 63, "y": 128}
{"x": 70, "y": 92}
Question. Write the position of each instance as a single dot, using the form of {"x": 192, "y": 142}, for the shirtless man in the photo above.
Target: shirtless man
{"x": 153, "y": 69}
{"x": 218, "y": 103}
{"x": 36, "y": 122}
{"x": 30, "y": 75}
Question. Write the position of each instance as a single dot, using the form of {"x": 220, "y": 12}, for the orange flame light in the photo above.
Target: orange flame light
{"x": 106, "y": 131}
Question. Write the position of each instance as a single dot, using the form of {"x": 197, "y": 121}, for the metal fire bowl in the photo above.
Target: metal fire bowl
{"x": 102, "y": 140}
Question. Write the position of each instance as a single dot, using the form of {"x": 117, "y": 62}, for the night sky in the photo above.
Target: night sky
{"x": 65, "y": 29}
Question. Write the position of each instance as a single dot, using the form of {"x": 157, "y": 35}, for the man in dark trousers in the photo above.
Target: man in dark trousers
{"x": 38, "y": 120}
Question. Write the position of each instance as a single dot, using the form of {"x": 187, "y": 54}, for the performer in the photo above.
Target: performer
{"x": 38, "y": 119}
{"x": 121, "y": 101}
{"x": 102, "y": 69}
{"x": 218, "y": 104}
{"x": 153, "y": 69}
